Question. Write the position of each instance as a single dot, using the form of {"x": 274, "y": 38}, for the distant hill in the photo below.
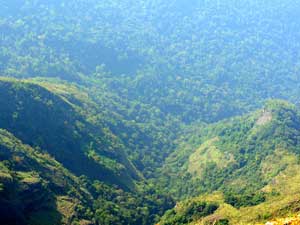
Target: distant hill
{"x": 206, "y": 60}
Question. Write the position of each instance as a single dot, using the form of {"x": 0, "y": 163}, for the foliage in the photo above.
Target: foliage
{"x": 245, "y": 199}
{"x": 32, "y": 184}
{"x": 250, "y": 154}
{"x": 191, "y": 212}
{"x": 116, "y": 86}
{"x": 47, "y": 117}
{"x": 222, "y": 59}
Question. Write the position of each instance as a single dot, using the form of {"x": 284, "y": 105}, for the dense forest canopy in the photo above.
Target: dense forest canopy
{"x": 125, "y": 96}
{"x": 188, "y": 59}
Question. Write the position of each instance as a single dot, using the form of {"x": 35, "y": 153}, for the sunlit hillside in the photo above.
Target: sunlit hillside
{"x": 149, "y": 111}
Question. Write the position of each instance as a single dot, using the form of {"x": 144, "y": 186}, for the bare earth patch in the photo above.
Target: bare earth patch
{"x": 264, "y": 118}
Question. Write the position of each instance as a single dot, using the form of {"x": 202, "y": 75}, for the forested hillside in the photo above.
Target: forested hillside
{"x": 245, "y": 169}
{"x": 237, "y": 155}
{"x": 42, "y": 119}
{"x": 73, "y": 167}
{"x": 37, "y": 189}
{"x": 204, "y": 60}
{"x": 133, "y": 105}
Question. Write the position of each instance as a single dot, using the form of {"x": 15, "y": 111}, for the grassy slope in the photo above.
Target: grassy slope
{"x": 257, "y": 153}
{"x": 283, "y": 201}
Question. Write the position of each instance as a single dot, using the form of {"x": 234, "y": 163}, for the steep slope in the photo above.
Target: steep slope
{"x": 146, "y": 133}
{"x": 40, "y": 118}
{"x": 59, "y": 122}
{"x": 159, "y": 71}
{"x": 140, "y": 72}
{"x": 280, "y": 205}
{"x": 36, "y": 189}
{"x": 252, "y": 161}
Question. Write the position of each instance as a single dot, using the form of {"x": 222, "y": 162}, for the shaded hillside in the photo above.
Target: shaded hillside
{"x": 59, "y": 121}
{"x": 145, "y": 133}
{"x": 43, "y": 119}
{"x": 36, "y": 189}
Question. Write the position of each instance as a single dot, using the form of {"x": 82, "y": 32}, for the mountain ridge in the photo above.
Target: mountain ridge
{"x": 146, "y": 102}
{"x": 50, "y": 120}
{"x": 240, "y": 135}
{"x": 251, "y": 177}
{"x": 51, "y": 111}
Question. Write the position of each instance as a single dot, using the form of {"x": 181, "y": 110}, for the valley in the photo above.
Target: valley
{"x": 149, "y": 112}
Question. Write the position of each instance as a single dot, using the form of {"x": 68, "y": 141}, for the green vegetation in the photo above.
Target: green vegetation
{"x": 207, "y": 66}
{"x": 60, "y": 130}
{"x": 244, "y": 200}
{"x": 33, "y": 184}
{"x": 191, "y": 212}
{"x": 257, "y": 180}
{"x": 110, "y": 110}
{"x": 110, "y": 190}
{"x": 238, "y": 155}
{"x": 281, "y": 203}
